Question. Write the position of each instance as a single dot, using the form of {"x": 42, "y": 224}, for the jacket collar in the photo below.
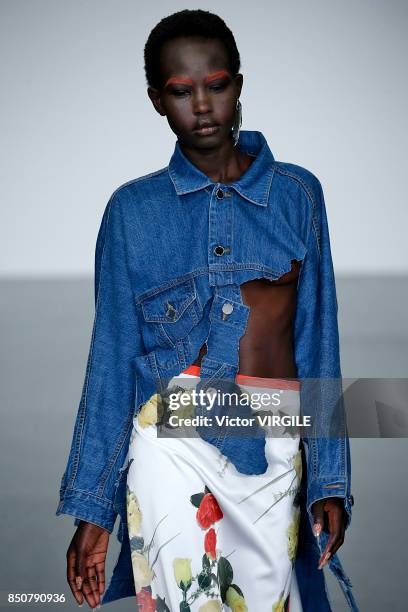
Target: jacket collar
{"x": 254, "y": 185}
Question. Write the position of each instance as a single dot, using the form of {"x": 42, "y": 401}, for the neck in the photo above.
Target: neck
{"x": 222, "y": 165}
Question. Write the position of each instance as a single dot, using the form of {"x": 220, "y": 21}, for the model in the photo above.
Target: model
{"x": 213, "y": 278}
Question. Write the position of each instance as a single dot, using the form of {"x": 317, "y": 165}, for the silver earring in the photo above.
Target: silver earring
{"x": 237, "y": 122}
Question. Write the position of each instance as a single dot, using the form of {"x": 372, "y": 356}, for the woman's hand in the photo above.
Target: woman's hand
{"x": 86, "y": 556}
{"x": 329, "y": 514}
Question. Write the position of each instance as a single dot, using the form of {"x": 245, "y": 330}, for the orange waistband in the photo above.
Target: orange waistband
{"x": 253, "y": 381}
{"x": 194, "y": 370}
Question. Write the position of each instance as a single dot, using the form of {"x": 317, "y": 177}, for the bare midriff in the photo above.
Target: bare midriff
{"x": 266, "y": 348}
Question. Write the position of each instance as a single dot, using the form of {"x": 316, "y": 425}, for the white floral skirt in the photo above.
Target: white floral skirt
{"x": 203, "y": 536}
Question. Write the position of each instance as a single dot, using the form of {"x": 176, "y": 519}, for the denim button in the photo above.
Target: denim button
{"x": 227, "y": 308}
{"x": 219, "y": 193}
{"x": 171, "y": 311}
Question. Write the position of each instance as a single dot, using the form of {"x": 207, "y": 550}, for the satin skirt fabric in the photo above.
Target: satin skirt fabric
{"x": 203, "y": 536}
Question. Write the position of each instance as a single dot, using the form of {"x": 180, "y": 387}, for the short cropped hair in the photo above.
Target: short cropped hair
{"x": 187, "y": 23}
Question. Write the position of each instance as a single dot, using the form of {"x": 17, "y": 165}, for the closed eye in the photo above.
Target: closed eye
{"x": 180, "y": 92}
{"x": 218, "y": 86}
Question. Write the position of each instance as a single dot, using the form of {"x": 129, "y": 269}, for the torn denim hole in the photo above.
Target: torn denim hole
{"x": 333, "y": 486}
{"x": 281, "y": 306}
{"x": 289, "y": 273}
{"x": 223, "y": 312}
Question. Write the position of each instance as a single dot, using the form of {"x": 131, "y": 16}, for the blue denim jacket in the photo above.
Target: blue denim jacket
{"x": 172, "y": 248}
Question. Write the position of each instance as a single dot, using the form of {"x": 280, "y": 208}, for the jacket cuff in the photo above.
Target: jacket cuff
{"x": 87, "y": 507}
{"x": 329, "y": 487}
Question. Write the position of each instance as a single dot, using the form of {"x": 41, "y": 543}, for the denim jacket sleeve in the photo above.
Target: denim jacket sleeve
{"x": 327, "y": 448}
{"x": 104, "y": 418}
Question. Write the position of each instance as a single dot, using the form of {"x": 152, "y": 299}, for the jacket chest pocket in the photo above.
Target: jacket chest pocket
{"x": 170, "y": 315}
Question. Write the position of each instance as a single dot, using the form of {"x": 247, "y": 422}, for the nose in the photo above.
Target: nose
{"x": 201, "y": 102}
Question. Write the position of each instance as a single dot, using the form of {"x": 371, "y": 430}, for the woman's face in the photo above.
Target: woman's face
{"x": 198, "y": 94}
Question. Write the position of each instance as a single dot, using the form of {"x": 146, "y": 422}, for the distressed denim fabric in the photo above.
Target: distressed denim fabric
{"x": 172, "y": 250}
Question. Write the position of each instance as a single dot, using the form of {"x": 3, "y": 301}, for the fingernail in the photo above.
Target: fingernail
{"x": 324, "y": 561}
{"x": 317, "y": 528}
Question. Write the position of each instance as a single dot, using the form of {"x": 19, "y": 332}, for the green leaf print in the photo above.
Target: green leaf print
{"x": 225, "y": 575}
{"x": 204, "y": 580}
{"x": 238, "y": 590}
{"x": 205, "y": 577}
{"x": 196, "y": 499}
{"x": 235, "y": 600}
{"x": 206, "y": 563}
{"x": 161, "y": 605}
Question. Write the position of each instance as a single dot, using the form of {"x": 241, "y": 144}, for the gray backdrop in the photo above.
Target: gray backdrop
{"x": 324, "y": 83}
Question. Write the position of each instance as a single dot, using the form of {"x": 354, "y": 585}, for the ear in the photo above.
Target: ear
{"x": 154, "y": 96}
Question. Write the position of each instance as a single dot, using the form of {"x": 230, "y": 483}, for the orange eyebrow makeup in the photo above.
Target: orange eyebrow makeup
{"x": 208, "y": 79}
{"x": 216, "y": 75}
{"x": 178, "y": 81}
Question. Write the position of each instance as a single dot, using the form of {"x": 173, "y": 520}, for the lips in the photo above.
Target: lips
{"x": 206, "y": 129}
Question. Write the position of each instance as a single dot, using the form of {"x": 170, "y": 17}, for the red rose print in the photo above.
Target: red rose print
{"x": 210, "y": 542}
{"x": 145, "y": 601}
{"x": 209, "y": 511}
